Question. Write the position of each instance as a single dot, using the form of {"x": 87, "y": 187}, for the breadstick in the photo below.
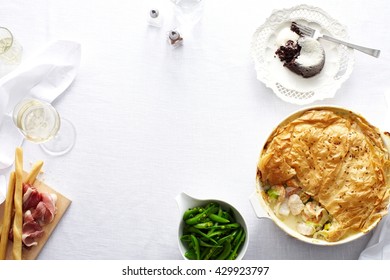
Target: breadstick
{"x": 7, "y": 216}
{"x": 34, "y": 172}
{"x": 18, "y": 201}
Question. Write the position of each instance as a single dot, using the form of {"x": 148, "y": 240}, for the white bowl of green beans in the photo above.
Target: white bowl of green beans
{"x": 210, "y": 229}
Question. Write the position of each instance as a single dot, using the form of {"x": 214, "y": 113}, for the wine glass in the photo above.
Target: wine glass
{"x": 40, "y": 122}
{"x": 188, "y": 12}
{"x": 10, "y": 51}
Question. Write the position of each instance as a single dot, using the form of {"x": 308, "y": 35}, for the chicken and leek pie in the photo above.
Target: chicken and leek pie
{"x": 329, "y": 169}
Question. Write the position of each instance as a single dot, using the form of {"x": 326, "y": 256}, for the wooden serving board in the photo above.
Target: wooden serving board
{"x": 62, "y": 205}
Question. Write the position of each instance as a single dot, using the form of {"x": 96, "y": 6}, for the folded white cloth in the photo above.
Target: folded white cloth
{"x": 378, "y": 248}
{"x": 44, "y": 77}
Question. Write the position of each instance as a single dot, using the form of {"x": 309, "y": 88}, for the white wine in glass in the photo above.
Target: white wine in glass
{"x": 10, "y": 52}
{"x": 40, "y": 122}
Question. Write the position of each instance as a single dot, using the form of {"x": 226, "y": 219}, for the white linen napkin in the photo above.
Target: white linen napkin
{"x": 44, "y": 77}
{"x": 378, "y": 248}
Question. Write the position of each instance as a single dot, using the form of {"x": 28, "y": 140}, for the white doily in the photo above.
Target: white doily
{"x": 287, "y": 85}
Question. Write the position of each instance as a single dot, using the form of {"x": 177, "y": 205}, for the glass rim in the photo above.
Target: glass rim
{"x": 4, "y": 49}
{"x": 28, "y": 99}
{"x": 22, "y": 103}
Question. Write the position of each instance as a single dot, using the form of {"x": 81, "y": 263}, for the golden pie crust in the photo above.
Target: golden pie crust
{"x": 339, "y": 159}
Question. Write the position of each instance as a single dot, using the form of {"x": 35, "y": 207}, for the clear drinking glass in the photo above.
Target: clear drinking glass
{"x": 40, "y": 123}
{"x": 188, "y": 12}
{"x": 10, "y": 52}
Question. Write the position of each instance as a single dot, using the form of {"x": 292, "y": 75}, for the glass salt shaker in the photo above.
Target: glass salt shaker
{"x": 175, "y": 39}
{"x": 155, "y": 18}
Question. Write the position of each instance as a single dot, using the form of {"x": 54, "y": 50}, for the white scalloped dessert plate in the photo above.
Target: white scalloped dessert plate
{"x": 287, "y": 85}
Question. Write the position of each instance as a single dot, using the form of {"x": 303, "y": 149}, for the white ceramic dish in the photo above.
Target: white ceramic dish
{"x": 287, "y": 85}
{"x": 263, "y": 210}
{"x": 184, "y": 202}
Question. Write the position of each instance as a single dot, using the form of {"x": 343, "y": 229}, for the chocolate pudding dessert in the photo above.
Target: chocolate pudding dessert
{"x": 302, "y": 55}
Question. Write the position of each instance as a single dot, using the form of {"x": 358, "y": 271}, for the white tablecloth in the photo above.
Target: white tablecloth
{"x": 154, "y": 121}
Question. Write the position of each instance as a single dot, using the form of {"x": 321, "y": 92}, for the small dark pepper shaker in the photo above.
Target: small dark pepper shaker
{"x": 174, "y": 38}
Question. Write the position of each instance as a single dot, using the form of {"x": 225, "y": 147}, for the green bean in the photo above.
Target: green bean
{"x": 210, "y": 232}
{"x": 215, "y": 233}
{"x": 216, "y": 253}
{"x": 211, "y": 205}
{"x": 218, "y": 219}
{"x": 195, "y": 230}
{"x": 238, "y": 237}
{"x": 205, "y": 244}
{"x": 185, "y": 238}
{"x": 233, "y": 254}
{"x": 229, "y": 237}
{"x": 198, "y": 218}
{"x": 227, "y": 226}
{"x": 227, "y": 216}
{"x": 226, "y": 251}
{"x": 213, "y": 253}
{"x": 204, "y": 225}
{"x": 220, "y": 211}
{"x": 191, "y": 212}
{"x": 190, "y": 254}
{"x": 195, "y": 244}
{"x": 205, "y": 252}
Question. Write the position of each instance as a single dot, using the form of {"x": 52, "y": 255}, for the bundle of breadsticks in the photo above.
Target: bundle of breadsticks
{"x": 13, "y": 212}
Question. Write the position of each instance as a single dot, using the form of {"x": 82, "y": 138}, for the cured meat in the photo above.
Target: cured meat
{"x": 39, "y": 210}
{"x": 31, "y": 197}
{"x": 31, "y": 230}
{"x": 45, "y": 211}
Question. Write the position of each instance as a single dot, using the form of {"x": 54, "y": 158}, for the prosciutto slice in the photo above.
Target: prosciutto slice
{"x": 45, "y": 211}
{"x": 31, "y": 230}
{"x": 31, "y": 197}
{"x": 39, "y": 210}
